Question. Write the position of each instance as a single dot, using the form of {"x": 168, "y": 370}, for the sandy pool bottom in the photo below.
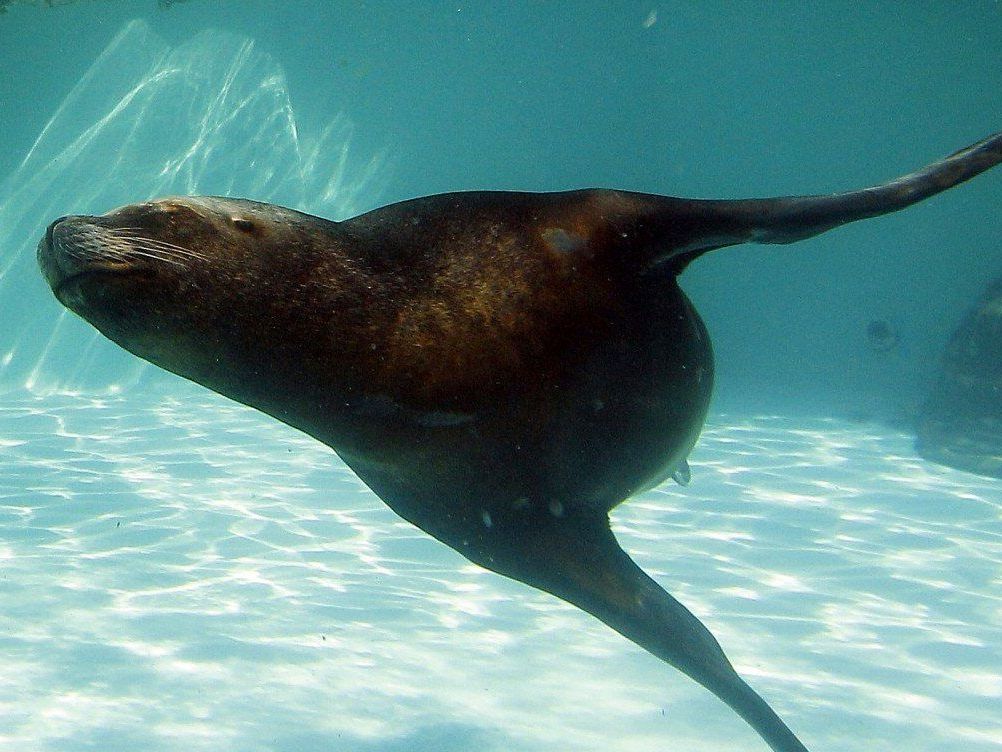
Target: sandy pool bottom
{"x": 181, "y": 573}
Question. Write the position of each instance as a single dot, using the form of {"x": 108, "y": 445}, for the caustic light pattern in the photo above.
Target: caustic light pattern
{"x": 181, "y": 573}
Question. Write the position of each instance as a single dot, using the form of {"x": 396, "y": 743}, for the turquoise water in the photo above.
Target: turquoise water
{"x": 178, "y": 572}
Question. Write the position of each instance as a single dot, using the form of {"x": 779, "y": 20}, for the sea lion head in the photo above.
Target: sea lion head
{"x": 205, "y": 287}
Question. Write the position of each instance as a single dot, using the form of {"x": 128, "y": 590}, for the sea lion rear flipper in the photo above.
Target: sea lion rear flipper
{"x": 581, "y": 562}
{"x": 787, "y": 220}
{"x": 678, "y": 230}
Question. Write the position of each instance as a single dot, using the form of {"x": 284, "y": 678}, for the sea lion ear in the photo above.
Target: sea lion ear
{"x": 245, "y": 225}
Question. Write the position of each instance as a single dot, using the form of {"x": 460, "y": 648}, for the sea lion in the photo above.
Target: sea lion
{"x": 502, "y": 369}
{"x": 960, "y": 422}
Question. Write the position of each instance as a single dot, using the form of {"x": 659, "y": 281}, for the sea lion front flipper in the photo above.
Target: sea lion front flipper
{"x": 577, "y": 558}
{"x": 682, "y": 474}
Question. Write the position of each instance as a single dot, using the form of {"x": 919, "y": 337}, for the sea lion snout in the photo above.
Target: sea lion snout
{"x": 51, "y": 227}
{"x": 76, "y": 247}
{"x": 47, "y": 256}
{"x": 61, "y": 252}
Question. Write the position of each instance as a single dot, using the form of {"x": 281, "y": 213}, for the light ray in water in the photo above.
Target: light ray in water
{"x": 117, "y": 139}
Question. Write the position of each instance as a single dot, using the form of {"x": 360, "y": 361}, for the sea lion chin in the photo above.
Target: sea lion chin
{"x": 502, "y": 369}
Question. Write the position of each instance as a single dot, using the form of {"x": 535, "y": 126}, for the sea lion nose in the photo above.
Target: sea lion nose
{"x": 51, "y": 258}
{"x": 52, "y": 226}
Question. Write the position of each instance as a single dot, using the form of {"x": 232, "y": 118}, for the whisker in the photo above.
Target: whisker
{"x": 140, "y": 243}
{"x": 155, "y": 257}
{"x": 117, "y": 249}
{"x": 130, "y": 232}
{"x": 165, "y": 248}
{"x": 122, "y": 244}
{"x": 168, "y": 253}
{"x": 170, "y": 247}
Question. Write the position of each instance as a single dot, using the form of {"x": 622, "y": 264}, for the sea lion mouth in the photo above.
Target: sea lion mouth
{"x": 68, "y": 289}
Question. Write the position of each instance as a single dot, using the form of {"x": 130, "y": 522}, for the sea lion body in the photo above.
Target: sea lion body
{"x": 398, "y": 335}
{"x": 960, "y": 422}
{"x": 501, "y": 368}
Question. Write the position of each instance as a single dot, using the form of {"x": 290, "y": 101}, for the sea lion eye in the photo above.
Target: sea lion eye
{"x": 244, "y": 225}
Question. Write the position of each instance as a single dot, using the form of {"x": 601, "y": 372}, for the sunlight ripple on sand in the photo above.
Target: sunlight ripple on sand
{"x": 180, "y": 573}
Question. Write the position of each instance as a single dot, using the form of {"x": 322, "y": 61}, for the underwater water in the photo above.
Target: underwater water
{"x": 180, "y": 572}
